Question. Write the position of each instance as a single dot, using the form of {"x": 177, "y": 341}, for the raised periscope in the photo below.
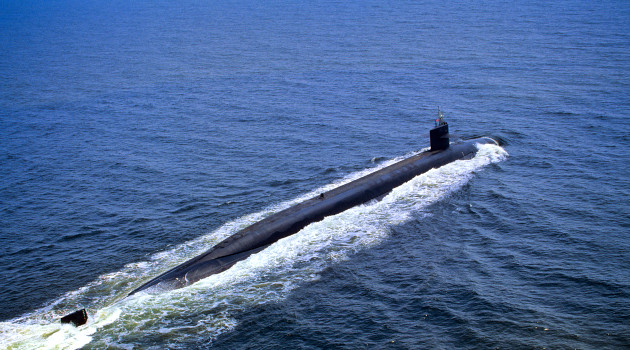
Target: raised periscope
{"x": 260, "y": 235}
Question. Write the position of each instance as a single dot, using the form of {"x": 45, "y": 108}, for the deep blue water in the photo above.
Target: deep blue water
{"x": 134, "y": 135}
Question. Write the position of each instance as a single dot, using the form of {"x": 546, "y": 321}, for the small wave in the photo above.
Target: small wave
{"x": 86, "y": 231}
{"x": 186, "y": 208}
{"x": 377, "y": 159}
{"x": 329, "y": 171}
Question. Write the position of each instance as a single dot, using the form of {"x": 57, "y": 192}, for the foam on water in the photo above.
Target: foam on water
{"x": 207, "y": 308}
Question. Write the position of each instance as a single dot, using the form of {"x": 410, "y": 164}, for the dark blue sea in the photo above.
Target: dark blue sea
{"x": 135, "y": 135}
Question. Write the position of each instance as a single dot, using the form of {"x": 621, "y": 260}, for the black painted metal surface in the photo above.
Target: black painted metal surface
{"x": 439, "y": 137}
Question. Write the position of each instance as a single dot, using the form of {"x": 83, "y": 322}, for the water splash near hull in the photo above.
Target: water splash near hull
{"x": 206, "y": 309}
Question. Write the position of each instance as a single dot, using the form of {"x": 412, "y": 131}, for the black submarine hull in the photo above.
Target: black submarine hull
{"x": 260, "y": 235}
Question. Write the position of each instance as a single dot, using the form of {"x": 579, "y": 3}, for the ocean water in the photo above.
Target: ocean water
{"x": 135, "y": 135}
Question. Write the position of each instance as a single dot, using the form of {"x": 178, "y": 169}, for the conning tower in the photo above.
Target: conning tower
{"x": 439, "y": 134}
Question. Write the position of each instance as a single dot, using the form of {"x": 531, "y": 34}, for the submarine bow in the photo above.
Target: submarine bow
{"x": 258, "y": 236}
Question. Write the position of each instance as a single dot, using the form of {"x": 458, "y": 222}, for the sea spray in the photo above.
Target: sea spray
{"x": 206, "y": 309}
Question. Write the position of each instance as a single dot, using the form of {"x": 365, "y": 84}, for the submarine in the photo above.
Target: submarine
{"x": 260, "y": 235}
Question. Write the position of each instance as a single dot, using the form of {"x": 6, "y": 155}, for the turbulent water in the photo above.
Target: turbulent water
{"x": 135, "y": 135}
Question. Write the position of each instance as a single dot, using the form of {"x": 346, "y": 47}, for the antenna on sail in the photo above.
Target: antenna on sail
{"x": 440, "y": 119}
